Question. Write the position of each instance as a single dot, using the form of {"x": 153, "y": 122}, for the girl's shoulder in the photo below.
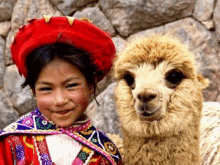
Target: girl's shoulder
{"x": 31, "y": 123}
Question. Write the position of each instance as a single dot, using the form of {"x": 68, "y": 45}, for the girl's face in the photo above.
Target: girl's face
{"x": 62, "y": 92}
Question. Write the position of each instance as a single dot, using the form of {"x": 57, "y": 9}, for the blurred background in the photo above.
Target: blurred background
{"x": 195, "y": 22}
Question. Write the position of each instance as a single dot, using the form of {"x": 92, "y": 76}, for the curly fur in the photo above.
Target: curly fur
{"x": 171, "y": 135}
{"x": 210, "y": 137}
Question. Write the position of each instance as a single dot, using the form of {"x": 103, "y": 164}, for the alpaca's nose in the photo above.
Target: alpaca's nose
{"x": 147, "y": 96}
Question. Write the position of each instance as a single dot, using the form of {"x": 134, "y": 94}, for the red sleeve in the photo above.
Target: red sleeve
{"x": 6, "y": 157}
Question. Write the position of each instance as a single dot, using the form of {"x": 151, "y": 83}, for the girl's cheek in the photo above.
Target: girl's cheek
{"x": 80, "y": 96}
{"x": 45, "y": 102}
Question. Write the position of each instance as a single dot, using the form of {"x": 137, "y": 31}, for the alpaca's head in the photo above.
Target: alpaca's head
{"x": 158, "y": 90}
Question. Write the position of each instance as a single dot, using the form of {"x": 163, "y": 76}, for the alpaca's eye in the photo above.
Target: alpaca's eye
{"x": 130, "y": 80}
{"x": 173, "y": 78}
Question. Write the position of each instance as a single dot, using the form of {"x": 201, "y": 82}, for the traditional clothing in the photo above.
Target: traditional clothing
{"x": 33, "y": 139}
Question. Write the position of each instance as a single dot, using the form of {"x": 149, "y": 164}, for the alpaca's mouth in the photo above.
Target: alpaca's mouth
{"x": 146, "y": 110}
{"x": 149, "y": 114}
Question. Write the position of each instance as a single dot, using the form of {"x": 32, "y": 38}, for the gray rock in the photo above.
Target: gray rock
{"x": 209, "y": 24}
{"x": 97, "y": 17}
{"x": 22, "y": 99}
{"x": 6, "y": 7}
{"x": 129, "y": 16}
{"x": 69, "y": 6}
{"x": 8, "y": 114}
{"x": 105, "y": 117}
{"x": 216, "y": 18}
{"x": 203, "y": 10}
{"x": 218, "y": 98}
{"x": 23, "y": 11}
{"x": 2, "y": 64}
{"x": 119, "y": 43}
{"x": 146, "y": 33}
{"x": 9, "y": 39}
{"x": 4, "y": 28}
{"x": 106, "y": 81}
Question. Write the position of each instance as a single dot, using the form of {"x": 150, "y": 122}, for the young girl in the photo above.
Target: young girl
{"x": 62, "y": 59}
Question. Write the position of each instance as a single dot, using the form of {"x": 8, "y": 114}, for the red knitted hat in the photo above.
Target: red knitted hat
{"x": 79, "y": 33}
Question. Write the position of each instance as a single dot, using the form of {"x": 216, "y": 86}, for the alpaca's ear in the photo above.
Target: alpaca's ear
{"x": 204, "y": 83}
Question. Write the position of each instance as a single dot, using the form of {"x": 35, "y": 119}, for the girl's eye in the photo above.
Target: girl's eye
{"x": 45, "y": 89}
{"x": 72, "y": 85}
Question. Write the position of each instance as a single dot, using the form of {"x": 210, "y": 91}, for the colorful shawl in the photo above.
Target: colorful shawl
{"x": 35, "y": 123}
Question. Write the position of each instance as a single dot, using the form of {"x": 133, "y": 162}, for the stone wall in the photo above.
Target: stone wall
{"x": 195, "y": 22}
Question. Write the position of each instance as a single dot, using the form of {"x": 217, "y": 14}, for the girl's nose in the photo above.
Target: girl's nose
{"x": 60, "y": 99}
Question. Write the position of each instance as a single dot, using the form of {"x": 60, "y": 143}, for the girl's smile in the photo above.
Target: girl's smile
{"x": 62, "y": 92}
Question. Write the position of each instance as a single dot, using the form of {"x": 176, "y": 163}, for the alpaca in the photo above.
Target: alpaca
{"x": 159, "y": 101}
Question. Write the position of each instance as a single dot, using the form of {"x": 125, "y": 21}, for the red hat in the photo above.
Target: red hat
{"x": 79, "y": 33}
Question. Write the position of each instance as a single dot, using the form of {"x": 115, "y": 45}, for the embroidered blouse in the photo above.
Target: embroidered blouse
{"x": 35, "y": 140}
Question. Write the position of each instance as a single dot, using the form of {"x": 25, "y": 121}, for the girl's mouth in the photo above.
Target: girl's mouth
{"x": 62, "y": 112}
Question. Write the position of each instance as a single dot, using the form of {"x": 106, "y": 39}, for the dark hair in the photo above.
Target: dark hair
{"x": 40, "y": 57}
